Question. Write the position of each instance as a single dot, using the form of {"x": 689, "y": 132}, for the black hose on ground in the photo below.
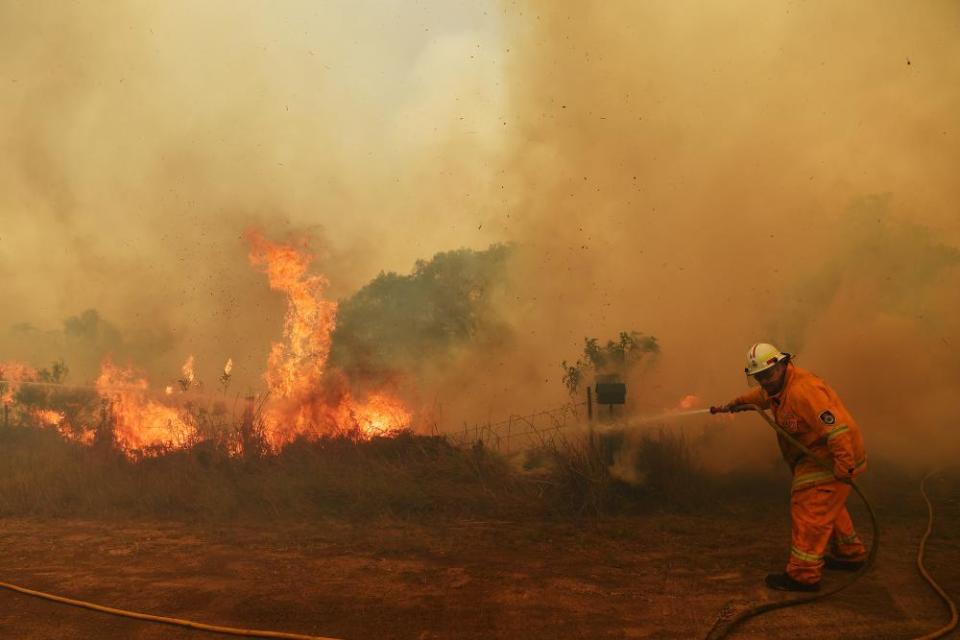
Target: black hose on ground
{"x": 733, "y": 614}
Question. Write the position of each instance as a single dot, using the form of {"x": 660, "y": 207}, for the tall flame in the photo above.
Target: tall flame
{"x": 305, "y": 399}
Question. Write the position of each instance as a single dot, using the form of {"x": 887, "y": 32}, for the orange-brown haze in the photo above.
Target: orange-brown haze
{"x": 711, "y": 175}
{"x": 142, "y": 142}
{"x": 720, "y": 174}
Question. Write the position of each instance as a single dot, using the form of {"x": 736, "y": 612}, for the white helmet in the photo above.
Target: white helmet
{"x": 762, "y": 356}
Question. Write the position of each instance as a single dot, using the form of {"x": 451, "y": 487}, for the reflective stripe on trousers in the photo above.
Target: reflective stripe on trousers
{"x": 817, "y": 514}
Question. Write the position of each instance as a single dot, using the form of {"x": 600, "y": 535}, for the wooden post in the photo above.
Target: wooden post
{"x": 589, "y": 404}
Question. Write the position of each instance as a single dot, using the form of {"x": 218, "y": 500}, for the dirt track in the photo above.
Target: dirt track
{"x": 661, "y": 576}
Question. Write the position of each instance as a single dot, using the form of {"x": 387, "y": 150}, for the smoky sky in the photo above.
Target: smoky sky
{"x": 710, "y": 174}
{"x": 721, "y": 174}
{"x": 141, "y": 141}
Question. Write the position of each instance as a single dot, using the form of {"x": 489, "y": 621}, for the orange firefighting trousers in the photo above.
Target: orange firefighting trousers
{"x": 820, "y": 518}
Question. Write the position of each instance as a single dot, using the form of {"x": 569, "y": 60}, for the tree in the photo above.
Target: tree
{"x": 615, "y": 357}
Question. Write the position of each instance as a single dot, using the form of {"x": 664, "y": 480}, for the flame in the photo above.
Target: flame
{"x": 188, "y": 376}
{"x": 187, "y": 370}
{"x": 225, "y": 378}
{"x": 380, "y": 415}
{"x": 141, "y": 425}
{"x": 85, "y": 435}
{"x": 48, "y": 417}
{"x": 688, "y": 402}
{"x": 12, "y": 373}
{"x": 305, "y": 399}
{"x": 58, "y": 420}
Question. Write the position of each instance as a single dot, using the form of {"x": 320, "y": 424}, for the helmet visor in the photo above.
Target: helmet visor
{"x": 759, "y": 377}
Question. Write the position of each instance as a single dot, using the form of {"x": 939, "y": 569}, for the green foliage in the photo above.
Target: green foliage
{"x": 91, "y": 330}
{"x": 397, "y": 322}
{"x": 616, "y": 356}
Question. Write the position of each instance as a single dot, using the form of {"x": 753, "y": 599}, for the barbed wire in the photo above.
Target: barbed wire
{"x": 501, "y": 435}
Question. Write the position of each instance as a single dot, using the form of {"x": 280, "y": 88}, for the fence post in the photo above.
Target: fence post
{"x": 589, "y": 404}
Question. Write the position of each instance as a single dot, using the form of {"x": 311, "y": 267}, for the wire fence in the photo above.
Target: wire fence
{"x": 515, "y": 433}
{"x": 520, "y": 432}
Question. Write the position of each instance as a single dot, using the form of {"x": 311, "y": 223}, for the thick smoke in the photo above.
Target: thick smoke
{"x": 141, "y": 140}
{"x": 711, "y": 175}
{"x": 718, "y": 174}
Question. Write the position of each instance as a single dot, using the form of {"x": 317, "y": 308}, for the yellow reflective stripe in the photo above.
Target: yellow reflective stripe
{"x": 806, "y": 557}
{"x": 837, "y": 431}
{"x": 816, "y": 477}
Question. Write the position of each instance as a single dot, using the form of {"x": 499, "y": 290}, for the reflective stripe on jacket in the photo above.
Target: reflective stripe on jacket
{"x": 811, "y": 412}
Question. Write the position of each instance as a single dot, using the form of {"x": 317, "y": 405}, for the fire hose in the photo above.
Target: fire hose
{"x": 189, "y": 624}
{"x": 233, "y": 631}
{"x": 730, "y": 617}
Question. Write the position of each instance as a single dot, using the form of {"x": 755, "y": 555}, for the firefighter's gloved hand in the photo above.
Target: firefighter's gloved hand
{"x": 719, "y": 409}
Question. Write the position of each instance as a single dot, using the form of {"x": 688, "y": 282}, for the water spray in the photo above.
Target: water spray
{"x": 668, "y": 415}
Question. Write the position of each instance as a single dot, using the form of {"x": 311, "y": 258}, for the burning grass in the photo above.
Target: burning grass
{"x": 401, "y": 475}
{"x": 322, "y": 438}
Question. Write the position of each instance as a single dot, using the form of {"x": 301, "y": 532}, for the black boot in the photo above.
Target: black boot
{"x": 839, "y": 564}
{"x": 783, "y": 582}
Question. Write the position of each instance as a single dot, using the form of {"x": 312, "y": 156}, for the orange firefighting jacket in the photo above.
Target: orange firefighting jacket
{"x": 810, "y": 411}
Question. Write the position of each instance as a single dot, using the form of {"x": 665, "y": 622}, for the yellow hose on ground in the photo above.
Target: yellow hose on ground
{"x": 939, "y": 633}
{"x": 723, "y": 626}
{"x": 249, "y": 633}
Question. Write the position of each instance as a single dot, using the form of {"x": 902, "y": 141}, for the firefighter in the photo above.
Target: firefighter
{"x": 810, "y": 411}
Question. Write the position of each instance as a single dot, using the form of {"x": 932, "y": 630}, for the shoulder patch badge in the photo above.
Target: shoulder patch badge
{"x": 827, "y": 418}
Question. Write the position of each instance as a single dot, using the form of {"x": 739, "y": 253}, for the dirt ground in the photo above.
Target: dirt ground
{"x": 663, "y": 575}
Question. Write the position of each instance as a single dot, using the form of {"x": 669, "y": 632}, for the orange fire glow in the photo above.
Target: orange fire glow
{"x": 14, "y": 372}
{"x": 188, "y": 375}
{"x": 688, "y": 402}
{"x": 380, "y": 415}
{"x": 48, "y": 417}
{"x": 56, "y": 419}
{"x": 140, "y": 424}
{"x": 305, "y": 399}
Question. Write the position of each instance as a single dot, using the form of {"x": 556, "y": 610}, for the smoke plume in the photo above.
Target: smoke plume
{"x": 711, "y": 175}
{"x": 716, "y": 175}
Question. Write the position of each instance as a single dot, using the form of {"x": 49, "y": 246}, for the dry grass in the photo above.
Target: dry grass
{"x": 402, "y": 475}
{"x": 617, "y": 472}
